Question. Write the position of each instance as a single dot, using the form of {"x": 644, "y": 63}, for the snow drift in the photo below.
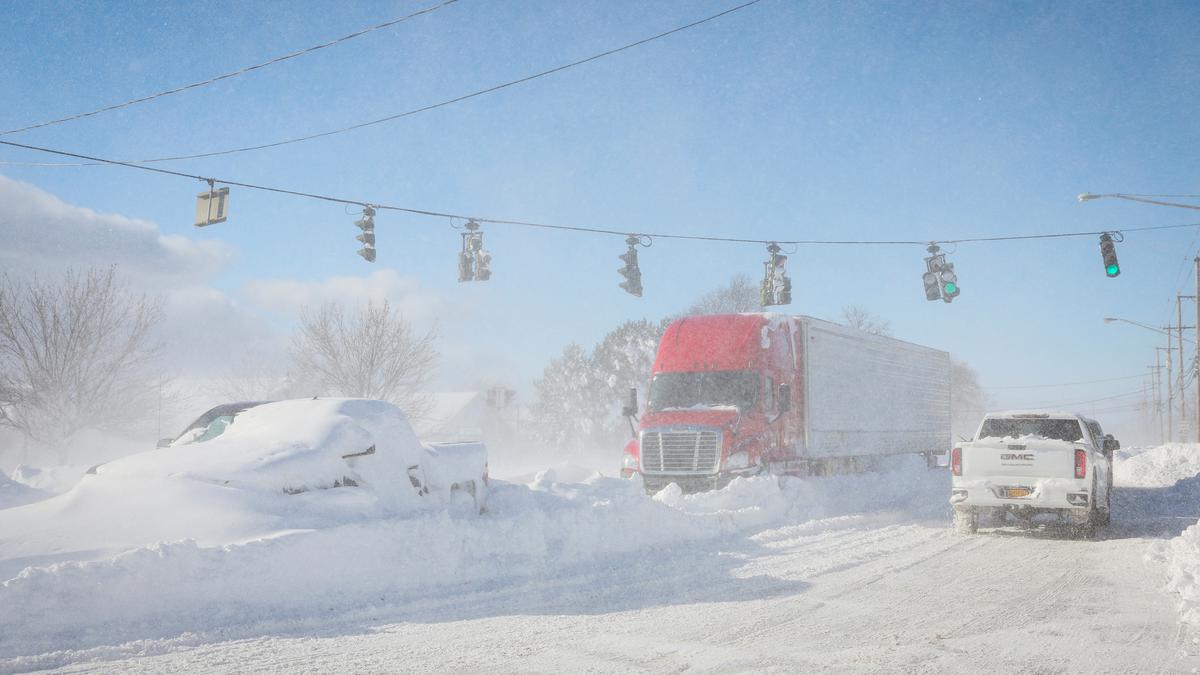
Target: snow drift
{"x": 529, "y": 532}
{"x": 1175, "y": 469}
{"x": 13, "y": 493}
{"x": 1156, "y": 467}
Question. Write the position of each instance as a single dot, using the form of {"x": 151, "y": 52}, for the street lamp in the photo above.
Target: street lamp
{"x": 1088, "y": 196}
{"x": 1165, "y": 330}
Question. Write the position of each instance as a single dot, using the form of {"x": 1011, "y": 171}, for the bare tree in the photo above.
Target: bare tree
{"x": 859, "y": 317}
{"x": 75, "y": 355}
{"x": 740, "y": 295}
{"x": 373, "y": 353}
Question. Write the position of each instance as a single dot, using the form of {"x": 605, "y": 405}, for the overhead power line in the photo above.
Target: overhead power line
{"x": 1066, "y": 384}
{"x": 1090, "y": 400}
{"x": 433, "y": 106}
{"x": 574, "y": 228}
{"x": 226, "y": 76}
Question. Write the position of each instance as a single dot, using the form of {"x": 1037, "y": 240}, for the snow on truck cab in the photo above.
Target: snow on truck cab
{"x": 1027, "y": 465}
{"x": 739, "y": 394}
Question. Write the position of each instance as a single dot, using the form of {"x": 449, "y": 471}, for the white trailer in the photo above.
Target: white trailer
{"x": 870, "y": 395}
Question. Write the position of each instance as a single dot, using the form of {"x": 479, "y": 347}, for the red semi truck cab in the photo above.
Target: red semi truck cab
{"x": 721, "y": 402}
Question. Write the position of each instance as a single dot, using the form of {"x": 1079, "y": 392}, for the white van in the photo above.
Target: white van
{"x": 1033, "y": 467}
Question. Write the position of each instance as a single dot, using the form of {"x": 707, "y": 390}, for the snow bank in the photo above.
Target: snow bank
{"x": 1182, "y": 558}
{"x": 13, "y": 493}
{"x": 54, "y": 479}
{"x": 1156, "y": 467}
{"x": 529, "y": 532}
{"x": 1176, "y": 468}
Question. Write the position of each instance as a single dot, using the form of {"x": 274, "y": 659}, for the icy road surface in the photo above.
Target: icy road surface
{"x": 838, "y": 596}
{"x": 885, "y": 589}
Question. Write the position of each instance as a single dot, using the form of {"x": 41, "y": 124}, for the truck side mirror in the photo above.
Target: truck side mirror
{"x": 1111, "y": 444}
{"x": 165, "y": 442}
{"x": 785, "y": 397}
{"x": 631, "y": 406}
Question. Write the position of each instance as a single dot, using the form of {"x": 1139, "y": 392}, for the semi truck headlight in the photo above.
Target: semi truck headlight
{"x": 629, "y": 462}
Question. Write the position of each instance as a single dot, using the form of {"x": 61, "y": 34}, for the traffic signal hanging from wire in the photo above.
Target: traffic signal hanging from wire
{"x": 367, "y": 225}
{"x": 776, "y": 286}
{"x": 941, "y": 283}
{"x": 474, "y": 263}
{"x": 1108, "y": 251}
{"x": 632, "y": 273}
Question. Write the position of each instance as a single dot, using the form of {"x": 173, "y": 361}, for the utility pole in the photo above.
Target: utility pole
{"x": 1170, "y": 393}
{"x": 1182, "y": 366}
{"x": 1197, "y": 364}
{"x": 1156, "y": 384}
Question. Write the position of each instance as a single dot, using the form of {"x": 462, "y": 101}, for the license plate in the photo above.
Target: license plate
{"x": 1013, "y": 493}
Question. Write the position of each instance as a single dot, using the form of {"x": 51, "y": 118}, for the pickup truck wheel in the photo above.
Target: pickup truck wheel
{"x": 966, "y": 520}
{"x": 1087, "y": 529}
{"x": 1104, "y": 516}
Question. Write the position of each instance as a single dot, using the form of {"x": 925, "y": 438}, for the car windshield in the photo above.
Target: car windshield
{"x": 213, "y": 422}
{"x": 1058, "y": 430}
{"x": 710, "y": 388}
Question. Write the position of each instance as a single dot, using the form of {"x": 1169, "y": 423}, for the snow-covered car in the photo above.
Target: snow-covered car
{"x": 1034, "y": 465}
{"x": 272, "y": 470}
{"x": 313, "y": 444}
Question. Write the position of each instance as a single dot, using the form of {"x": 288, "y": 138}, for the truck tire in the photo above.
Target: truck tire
{"x": 1087, "y": 529}
{"x": 966, "y": 520}
{"x": 1105, "y": 514}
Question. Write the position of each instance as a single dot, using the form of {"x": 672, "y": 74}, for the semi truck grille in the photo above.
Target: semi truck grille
{"x": 685, "y": 451}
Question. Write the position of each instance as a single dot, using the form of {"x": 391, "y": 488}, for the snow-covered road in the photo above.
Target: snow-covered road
{"x": 887, "y": 591}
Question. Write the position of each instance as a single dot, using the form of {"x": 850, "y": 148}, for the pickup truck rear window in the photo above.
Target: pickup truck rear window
{"x": 1059, "y": 430}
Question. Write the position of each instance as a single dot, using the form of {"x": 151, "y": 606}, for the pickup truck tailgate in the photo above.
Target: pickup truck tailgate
{"x": 991, "y": 458}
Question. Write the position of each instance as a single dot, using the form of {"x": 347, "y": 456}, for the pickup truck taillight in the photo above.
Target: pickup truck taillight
{"x": 1080, "y": 463}
{"x": 956, "y": 461}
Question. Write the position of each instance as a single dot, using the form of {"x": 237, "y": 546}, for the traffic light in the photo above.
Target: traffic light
{"x": 949, "y": 282}
{"x": 474, "y": 263}
{"x": 483, "y": 263}
{"x": 633, "y": 275}
{"x": 941, "y": 283}
{"x": 776, "y": 286}
{"x": 367, "y": 225}
{"x": 933, "y": 290}
{"x": 1108, "y": 251}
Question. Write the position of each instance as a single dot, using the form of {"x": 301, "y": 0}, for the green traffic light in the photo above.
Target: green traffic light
{"x": 1112, "y": 270}
{"x": 951, "y": 287}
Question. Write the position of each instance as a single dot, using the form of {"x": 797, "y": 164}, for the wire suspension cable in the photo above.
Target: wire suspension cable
{"x": 226, "y": 76}
{"x": 1090, "y": 400}
{"x": 447, "y": 102}
{"x": 1065, "y": 384}
{"x": 571, "y": 228}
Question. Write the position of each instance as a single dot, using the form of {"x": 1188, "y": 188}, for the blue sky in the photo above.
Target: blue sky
{"x": 786, "y": 120}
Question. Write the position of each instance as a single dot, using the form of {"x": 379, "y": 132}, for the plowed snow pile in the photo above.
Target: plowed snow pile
{"x": 529, "y": 532}
{"x": 1156, "y": 467}
{"x": 1176, "y": 468}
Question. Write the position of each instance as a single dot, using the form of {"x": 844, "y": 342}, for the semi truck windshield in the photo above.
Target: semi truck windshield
{"x": 708, "y": 388}
{"x": 1059, "y": 430}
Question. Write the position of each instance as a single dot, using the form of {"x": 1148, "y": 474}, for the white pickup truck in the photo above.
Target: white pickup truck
{"x": 1033, "y": 466}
